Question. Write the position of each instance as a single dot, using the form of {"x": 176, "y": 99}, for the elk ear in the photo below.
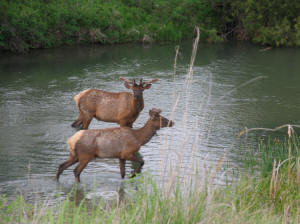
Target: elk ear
{"x": 147, "y": 86}
{"x": 151, "y": 113}
{"x": 154, "y": 112}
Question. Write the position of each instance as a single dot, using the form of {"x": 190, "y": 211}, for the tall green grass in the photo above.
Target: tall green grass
{"x": 250, "y": 201}
{"x": 261, "y": 157}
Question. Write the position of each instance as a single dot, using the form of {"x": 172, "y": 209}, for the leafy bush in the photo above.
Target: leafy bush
{"x": 265, "y": 22}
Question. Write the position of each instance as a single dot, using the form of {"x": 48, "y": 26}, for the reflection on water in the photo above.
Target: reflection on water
{"x": 37, "y": 109}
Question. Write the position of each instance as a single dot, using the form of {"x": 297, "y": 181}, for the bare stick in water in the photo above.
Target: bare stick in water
{"x": 194, "y": 52}
{"x": 289, "y": 126}
{"x": 240, "y": 86}
{"x": 175, "y": 60}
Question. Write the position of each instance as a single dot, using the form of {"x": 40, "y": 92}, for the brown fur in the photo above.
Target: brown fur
{"x": 120, "y": 142}
{"x": 122, "y": 107}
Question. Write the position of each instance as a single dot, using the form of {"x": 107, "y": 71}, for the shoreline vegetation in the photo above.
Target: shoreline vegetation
{"x": 32, "y": 24}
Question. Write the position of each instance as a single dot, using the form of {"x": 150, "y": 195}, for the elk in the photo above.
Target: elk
{"x": 122, "y": 107}
{"x": 118, "y": 142}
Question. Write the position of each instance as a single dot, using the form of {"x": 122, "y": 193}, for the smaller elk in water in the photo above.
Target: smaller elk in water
{"x": 120, "y": 142}
{"x": 122, "y": 108}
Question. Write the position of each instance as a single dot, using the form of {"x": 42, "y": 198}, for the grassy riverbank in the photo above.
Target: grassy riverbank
{"x": 42, "y": 24}
{"x": 270, "y": 196}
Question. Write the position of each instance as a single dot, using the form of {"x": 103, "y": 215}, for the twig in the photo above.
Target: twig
{"x": 265, "y": 49}
{"x": 175, "y": 60}
{"x": 298, "y": 171}
{"x": 290, "y": 129}
{"x": 194, "y": 52}
{"x": 244, "y": 84}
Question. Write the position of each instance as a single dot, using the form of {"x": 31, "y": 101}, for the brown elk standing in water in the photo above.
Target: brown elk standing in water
{"x": 120, "y": 142}
{"x": 122, "y": 108}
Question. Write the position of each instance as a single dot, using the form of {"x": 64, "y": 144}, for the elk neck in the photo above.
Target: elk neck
{"x": 138, "y": 102}
{"x": 145, "y": 133}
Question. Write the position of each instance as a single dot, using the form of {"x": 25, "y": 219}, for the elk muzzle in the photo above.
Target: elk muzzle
{"x": 164, "y": 122}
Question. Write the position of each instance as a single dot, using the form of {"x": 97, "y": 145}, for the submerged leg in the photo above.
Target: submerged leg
{"x": 78, "y": 122}
{"x": 134, "y": 158}
{"x": 129, "y": 125}
{"x": 124, "y": 123}
{"x": 86, "y": 122}
{"x": 77, "y": 171}
{"x": 122, "y": 163}
{"x": 64, "y": 166}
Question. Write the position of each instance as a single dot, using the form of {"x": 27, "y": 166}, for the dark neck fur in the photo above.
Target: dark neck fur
{"x": 138, "y": 103}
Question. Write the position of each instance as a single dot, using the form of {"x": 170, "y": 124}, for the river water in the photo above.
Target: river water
{"x": 209, "y": 110}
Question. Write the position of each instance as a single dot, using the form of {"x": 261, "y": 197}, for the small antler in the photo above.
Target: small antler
{"x": 125, "y": 80}
{"x": 141, "y": 82}
{"x": 151, "y": 81}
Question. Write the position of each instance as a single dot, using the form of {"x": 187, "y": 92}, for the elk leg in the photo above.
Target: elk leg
{"x": 77, "y": 171}
{"x": 86, "y": 122}
{"x": 78, "y": 122}
{"x": 134, "y": 158}
{"x": 126, "y": 124}
{"x": 122, "y": 163}
{"x": 64, "y": 166}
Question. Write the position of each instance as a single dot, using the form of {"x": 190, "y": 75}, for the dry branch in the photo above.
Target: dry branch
{"x": 289, "y": 126}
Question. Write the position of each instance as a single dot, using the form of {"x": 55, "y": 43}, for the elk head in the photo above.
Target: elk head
{"x": 158, "y": 120}
{"x": 137, "y": 88}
